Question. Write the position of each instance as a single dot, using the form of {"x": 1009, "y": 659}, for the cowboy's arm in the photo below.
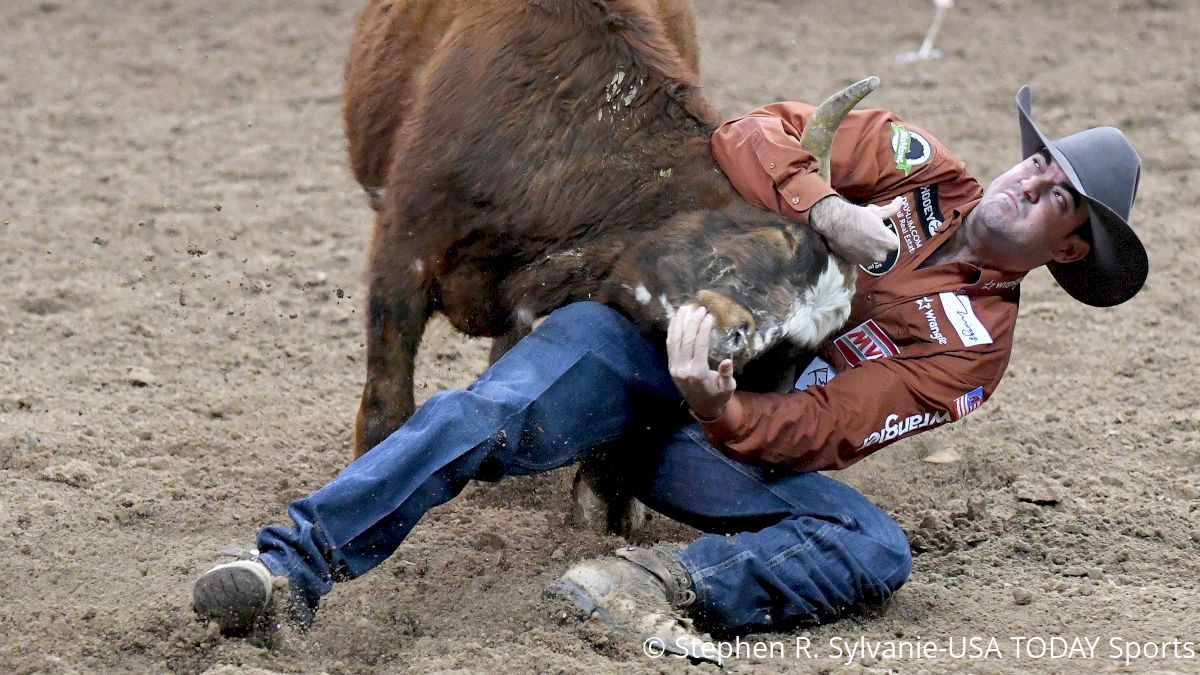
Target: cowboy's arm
{"x": 762, "y": 156}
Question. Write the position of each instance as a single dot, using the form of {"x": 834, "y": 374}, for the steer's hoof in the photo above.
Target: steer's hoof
{"x": 598, "y": 509}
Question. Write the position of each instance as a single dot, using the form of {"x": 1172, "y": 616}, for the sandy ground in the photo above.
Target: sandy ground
{"x": 181, "y": 290}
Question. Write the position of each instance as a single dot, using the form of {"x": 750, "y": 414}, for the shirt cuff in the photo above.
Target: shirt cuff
{"x": 802, "y": 190}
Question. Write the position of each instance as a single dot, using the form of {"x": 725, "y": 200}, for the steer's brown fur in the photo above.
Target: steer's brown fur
{"x": 522, "y": 154}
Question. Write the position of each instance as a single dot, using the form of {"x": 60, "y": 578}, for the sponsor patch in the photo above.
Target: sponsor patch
{"x": 963, "y": 405}
{"x": 929, "y": 210}
{"x": 894, "y": 427}
{"x": 994, "y": 285}
{"x": 910, "y": 149}
{"x": 906, "y": 226}
{"x": 925, "y": 307}
{"x": 880, "y": 268}
{"x": 962, "y": 317}
{"x": 817, "y": 374}
{"x": 866, "y": 342}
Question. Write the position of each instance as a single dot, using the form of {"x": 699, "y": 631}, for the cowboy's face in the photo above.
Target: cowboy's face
{"x": 1028, "y": 216}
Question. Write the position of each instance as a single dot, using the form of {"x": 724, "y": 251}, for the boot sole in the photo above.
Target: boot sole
{"x": 234, "y": 595}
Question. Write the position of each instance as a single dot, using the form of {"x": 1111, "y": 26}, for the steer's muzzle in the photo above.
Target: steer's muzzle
{"x": 733, "y": 331}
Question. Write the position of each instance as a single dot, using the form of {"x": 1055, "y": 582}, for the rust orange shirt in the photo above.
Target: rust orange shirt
{"x": 924, "y": 345}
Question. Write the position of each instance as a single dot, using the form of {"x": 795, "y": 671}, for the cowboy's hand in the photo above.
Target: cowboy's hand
{"x": 706, "y": 390}
{"x": 856, "y": 233}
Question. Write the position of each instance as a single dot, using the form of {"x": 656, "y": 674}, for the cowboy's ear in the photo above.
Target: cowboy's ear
{"x": 1073, "y": 248}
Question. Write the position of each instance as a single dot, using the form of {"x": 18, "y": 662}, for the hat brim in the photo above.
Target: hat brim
{"x": 1115, "y": 268}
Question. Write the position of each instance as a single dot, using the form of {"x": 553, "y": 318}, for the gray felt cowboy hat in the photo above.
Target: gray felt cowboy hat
{"x": 1104, "y": 168}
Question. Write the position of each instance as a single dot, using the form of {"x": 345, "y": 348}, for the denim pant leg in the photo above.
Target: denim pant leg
{"x": 583, "y": 378}
{"x": 786, "y": 547}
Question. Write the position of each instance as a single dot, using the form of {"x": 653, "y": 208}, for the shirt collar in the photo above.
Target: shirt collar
{"x": 975, "y": 280}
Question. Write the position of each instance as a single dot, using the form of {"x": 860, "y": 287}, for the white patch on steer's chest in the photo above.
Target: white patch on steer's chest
{"x": 816, "y": 313}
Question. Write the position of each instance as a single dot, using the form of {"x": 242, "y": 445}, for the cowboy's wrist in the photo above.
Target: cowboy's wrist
{"x": 707, "y": 416}
{"x": 827, "y": 213}
{"x": 708, "y": 408}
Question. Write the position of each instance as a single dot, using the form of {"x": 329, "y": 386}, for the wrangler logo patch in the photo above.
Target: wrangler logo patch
{"x": 894, "y": 426}
{"x": 866, "y": 342}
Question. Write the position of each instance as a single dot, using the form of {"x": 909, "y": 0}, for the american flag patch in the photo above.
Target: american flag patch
{"x": 963, "y": 405}
{"x": 866, "y": 342}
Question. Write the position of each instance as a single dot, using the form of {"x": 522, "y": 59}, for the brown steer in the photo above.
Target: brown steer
{"x": 524, "y": 154}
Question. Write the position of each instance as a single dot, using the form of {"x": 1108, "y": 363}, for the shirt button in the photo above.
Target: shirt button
{"x": 795, "y": 200}
{"x": 870, "y": 297}
{"x": 771, "y": 165}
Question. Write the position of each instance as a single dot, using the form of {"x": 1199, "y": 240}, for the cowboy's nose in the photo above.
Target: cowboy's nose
{"x": 1033, "y": 186}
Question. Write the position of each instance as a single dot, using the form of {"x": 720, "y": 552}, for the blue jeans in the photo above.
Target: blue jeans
{"x": 801, "y": 546}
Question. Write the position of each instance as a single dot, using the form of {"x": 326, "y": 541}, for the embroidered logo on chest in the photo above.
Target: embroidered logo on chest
{"x": 909, "y": 149}
{"x": 929, "y": 210}
{"x": 866, "y": 342}
{"x": 925, "y": 307}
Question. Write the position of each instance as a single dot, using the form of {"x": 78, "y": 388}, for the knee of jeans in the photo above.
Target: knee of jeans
{"x": 593, "y": 323}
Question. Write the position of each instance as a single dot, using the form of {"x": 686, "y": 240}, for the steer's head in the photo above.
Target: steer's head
{"x": 784, "y": 276}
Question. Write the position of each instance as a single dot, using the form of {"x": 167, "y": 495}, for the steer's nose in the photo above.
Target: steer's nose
{"x": 735, "y": 344}
{"x": 732, "y": 334}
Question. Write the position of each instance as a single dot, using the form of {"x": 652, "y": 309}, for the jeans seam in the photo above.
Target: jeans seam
{"x": 725, "y": 564}
{"x": 808, "y": 543}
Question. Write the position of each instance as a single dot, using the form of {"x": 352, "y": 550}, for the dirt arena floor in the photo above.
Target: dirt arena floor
{"x": 181, "y": 296}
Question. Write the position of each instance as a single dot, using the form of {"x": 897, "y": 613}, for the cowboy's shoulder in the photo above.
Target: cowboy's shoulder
{"x": 914, "y": 148}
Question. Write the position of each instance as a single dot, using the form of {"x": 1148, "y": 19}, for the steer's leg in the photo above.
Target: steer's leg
{"x": 602, "y": 502}
{"x": 399, "y": 305}
{"x": 502, "y": 343}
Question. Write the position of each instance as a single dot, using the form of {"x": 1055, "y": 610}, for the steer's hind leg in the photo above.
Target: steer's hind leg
{"x": 502, "y": 343}
{"x": 399, "y": 305}
{"x": 601, "y": 498}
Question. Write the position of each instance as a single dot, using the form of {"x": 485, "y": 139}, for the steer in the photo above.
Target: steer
{"x": 524, "y": 154}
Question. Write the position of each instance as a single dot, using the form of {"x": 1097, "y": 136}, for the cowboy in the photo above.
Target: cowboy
{"x": 928, "y": 340}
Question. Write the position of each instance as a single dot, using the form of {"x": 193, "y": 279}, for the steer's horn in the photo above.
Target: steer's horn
{"x": 817, "y": 138}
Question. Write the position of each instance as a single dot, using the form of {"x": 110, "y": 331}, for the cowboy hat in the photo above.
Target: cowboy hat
{"x": 1104, "y": 168}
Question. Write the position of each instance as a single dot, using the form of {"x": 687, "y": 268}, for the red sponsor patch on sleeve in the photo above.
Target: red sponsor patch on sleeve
{"x": 865, "y": 342}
